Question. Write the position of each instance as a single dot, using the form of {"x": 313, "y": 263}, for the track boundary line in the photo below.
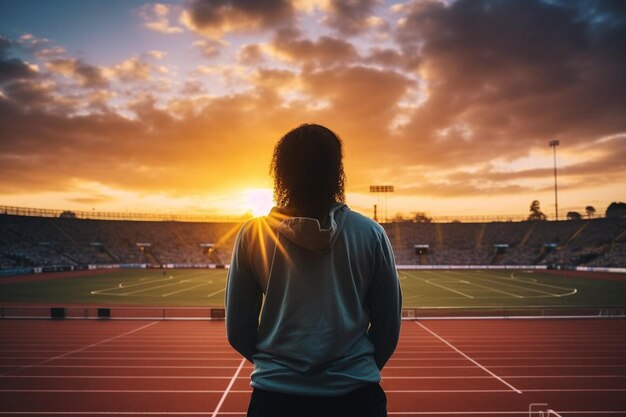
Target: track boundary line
{"x": 79, "y": 350}
{"x": 195, "y": 413}
{"x": 467, "y": 357}
{"x": 228, "y": 388}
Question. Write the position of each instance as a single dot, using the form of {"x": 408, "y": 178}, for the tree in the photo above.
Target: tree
{"x": 535, "y": 211}
{"x": 422, "y": 218}
{"x": 398, "y": 218}
{"x": 574, "y": 215}
{"x": 67, "y": 215}
{"x": 616, "y": 210}
{"x": 591, "y": 211}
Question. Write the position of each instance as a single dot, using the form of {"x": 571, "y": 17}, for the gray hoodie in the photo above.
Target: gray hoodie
{"x": 316, "y": 309}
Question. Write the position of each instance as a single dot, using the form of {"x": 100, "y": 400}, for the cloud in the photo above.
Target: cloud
{"x": 131, "y": 69}
{"x": 448, "y": 107}
{"x": 290, "y": 46}
{"x": 156, "y": 17}
{"x": 12, "y": 68}
{"x": 210, "y": 48}
{"x": 250, "y": 54}
{"x": 515, "y": 73}
{"x": 86, "y": 75}
{"x": 216, "y": 18}
{"x": 352, "y": 17}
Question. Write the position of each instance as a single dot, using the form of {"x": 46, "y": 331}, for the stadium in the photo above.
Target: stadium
{"x": 473, "y": 294}
{"x": 303, "y": 208}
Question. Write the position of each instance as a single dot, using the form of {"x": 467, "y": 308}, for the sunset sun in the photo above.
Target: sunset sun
{"x": 258, "y": 201}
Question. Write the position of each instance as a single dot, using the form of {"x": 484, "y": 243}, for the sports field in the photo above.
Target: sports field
{"x": 421, "y": 289}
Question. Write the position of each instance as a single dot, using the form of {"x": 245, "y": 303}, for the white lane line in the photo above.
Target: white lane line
{"x": 228, "y": 388}
{"x": 138, "y": 366}
{"x": 215, "y": 293}
{"x": 243, "y": 413}
{"x": 78, "y": 350}
{"x": 117, "y": 377}
{"x": 386, "y": 377}
{"x": 249, "y": 391}
{"x": 467, "y": 357}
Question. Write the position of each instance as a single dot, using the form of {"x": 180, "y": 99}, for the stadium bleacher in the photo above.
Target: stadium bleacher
{"x": 30, "y": 241}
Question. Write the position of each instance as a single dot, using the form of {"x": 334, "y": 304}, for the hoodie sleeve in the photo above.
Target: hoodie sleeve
{"x": 385, "y": 303}
{"x": 243, "y": 301}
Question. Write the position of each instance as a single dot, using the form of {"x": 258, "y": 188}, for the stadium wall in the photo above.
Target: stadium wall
{"x": 65, "y": 268}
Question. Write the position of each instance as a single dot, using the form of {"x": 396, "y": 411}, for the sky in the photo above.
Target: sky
{"x": 175, "y": 107}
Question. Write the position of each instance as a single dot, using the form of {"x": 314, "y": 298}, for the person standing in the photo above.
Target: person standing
{"x": 313, "y": 298}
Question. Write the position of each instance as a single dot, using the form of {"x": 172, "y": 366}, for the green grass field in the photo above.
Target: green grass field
{"x": 432, "y": 289}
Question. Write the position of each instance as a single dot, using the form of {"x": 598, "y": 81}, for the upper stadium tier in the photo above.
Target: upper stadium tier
{"x": 35, "y": 241}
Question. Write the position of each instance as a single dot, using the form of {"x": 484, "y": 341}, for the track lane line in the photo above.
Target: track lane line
{"x": 78, "y": 350}
{"x": 228, "y": 388}
{"x": 467, "y": 357}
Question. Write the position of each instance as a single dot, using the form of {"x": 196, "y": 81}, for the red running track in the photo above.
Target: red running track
{"x": 464, "y": 368}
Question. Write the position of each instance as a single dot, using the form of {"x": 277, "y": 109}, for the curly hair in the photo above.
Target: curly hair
{"x": 307, "y": 168}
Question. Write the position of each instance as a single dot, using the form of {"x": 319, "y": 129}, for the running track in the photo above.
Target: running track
{"x": 464, "y": 368}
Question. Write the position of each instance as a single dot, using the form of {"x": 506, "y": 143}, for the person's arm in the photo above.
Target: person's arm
{"x": 385, "y": 303}
{"x": 243, "y": 301}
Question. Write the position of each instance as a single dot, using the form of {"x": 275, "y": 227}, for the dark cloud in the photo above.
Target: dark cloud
{"x": 323, "y": 52}
{"x": 87, "y": 75}
{"x": 12, "y": 68}
{"x": 350, "y": 17}
{"x": 392, "y": 58}
{"x": 505, "y": 76}
{"x": 215, "y": 18}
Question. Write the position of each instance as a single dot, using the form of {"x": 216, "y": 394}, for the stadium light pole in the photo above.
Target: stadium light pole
{"x": 553, "y": 144}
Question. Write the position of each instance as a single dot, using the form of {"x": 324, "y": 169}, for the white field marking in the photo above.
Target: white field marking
{"x": 215, "y": 293}
{"x": 145, "y": 282}
{"x": 78, "y": 350}
{"x": 121, "y": 285}
{"x": 542, "y": 284}
{"x": 572, "y": 291}
{"x": 497, "y": 290}
{"x": 149, "y": 289}
{"x": 442, "y": 286}
{"x": 468, "y": 358}
{"x": 185, "y": 289}
{"x": 228, "y": 388}
{"x": 523, "y": 287}
{"x": 448, "y": 289}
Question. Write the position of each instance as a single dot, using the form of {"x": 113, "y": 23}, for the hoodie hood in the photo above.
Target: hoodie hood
{"x": 307, "y": 232}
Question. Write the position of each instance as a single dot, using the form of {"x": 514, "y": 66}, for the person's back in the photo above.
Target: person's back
{"x": 331, "y": 314}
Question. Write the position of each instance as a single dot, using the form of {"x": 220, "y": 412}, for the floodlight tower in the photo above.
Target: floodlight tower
{"x": 553, "y": 144}
{"x": 384, "y": 190}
